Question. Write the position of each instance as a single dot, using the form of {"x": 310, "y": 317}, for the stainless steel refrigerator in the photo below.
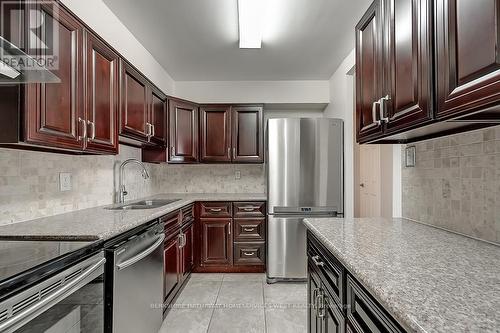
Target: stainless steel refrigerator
{"x": 304, "y": 179}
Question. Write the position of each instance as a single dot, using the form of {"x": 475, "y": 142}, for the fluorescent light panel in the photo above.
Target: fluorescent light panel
{"x": 250, "y": 16}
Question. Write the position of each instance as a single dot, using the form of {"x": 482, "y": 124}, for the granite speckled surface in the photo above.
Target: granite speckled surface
{"x": 429, "y": 279}
{"x": 99, "y": 223}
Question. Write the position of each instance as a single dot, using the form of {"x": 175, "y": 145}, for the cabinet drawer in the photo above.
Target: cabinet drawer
{"x": 249, "y": 253}
{"x": 187, "y": 214}
{"x": 215, "y": 209}
{"x": 249, "y": 209}
{"x": 249, "y": 229}
{"x": 364, "y": 314}
{"x": 329, "y": 270}
{"x": 170, "y": 222}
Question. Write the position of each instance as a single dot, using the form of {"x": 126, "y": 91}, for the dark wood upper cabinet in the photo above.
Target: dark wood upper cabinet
{"x": 369, "y": 72}
{"x": 101, "y": 100}
{"x": 134, "y": 113}
{"x": 158, "y": 118}
{"x": 216, "y": 242}
{"x": 468, "y": 56}
{"x": 183, "y": 131}
{"x": 247, "y": 134}
{"x": 407, "y": 94}
{"x": 53, "y": 110}
{"x": 215, "y": 129}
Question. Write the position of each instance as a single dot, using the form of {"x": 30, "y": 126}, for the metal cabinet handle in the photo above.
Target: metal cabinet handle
{"x": 84, "y": 136}
{"x": 229, "y": 153}
{"x": 321, "y": 304}
{"x": 92, "y": 130}
{"x": 249, "y": 209}
{"x": 141, "y": 255}
{"x": 374, "y": 113}
{"x": 234, "y": 152}
{"x": 215, "y": 210}
{"x": 248, "y": 254}
{"x": 249, "y": 229}
{"x": 152, "y": 130}
{"x": 53, "y": 298}
{"x": 317, "y": 262}
{"x": 184, "y": 240}
{"x": 172, "y": 151}
{"x": 382, "y": 104}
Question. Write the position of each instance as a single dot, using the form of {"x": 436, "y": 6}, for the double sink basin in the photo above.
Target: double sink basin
{"x": 142, "y": 204}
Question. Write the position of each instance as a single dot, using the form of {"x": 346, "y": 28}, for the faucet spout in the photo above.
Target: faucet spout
{"x": 121, "y": 186}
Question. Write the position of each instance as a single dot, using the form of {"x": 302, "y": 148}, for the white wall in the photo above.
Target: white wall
{"x": 104, "y": 22}
{"x": 342, "y": 106}
{"x": 254, "y": 91}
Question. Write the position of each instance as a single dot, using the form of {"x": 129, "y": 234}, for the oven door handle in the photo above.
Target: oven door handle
{"x": 142, "y": 255}
{"x": 31, "y": 312}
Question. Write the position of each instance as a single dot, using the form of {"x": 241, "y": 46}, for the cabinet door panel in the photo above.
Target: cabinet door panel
{"x": 468, "y": 55}
{"x": 369, "y": 72}
{"x": 409, "y": 76}
{"x": 134, "y": 107}
{"x": 183, "y": 128}
{"x": 334, "y": 321}
{"x": 158, "y": 118}
{"x": 102, "y": 104}
{"x": 53, "y": 109}
{"x": 187, "y": 250}
{"x": 216, "y": 242}
{"x": 313, "y": 287}
{"x": 248, "y": 135}
{"x": 215, "y": 133}
{"x": 171, "y": 265}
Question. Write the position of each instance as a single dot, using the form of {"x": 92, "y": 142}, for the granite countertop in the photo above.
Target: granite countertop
{"x": 100, "y": 224}
{"x": 429, "y": 279}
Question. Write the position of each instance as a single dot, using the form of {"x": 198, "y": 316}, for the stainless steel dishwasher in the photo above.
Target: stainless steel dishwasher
{"x": 137, "y": 277}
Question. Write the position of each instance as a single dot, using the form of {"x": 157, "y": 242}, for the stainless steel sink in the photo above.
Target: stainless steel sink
{"x": 143, "y": 204}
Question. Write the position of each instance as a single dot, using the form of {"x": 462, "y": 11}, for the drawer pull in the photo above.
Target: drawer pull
{"x": 248, "y": 254}
{"x": 249, "y": 229}
{"x": 317, "y": 262}
{"x": 249, "y": 209}
{"x": 215, "y": 210}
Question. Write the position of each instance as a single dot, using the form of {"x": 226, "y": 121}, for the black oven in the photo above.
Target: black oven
{"x": 69, "y": 301}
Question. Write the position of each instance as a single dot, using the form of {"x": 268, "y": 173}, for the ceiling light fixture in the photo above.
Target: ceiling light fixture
{"x": 250, "y": 25}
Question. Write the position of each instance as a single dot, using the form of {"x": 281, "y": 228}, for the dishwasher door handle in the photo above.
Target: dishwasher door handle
{"x": 141, "y": 255}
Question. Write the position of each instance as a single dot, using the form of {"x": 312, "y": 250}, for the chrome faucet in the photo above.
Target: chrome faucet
{"x": 122, "y": 192}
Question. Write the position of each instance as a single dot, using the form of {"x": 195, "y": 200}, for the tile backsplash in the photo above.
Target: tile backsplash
{"x": 29, "y": 181}
{"x": 456, "y": 183}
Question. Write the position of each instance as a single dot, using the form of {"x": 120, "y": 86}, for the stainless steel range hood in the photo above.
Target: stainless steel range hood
{"x": 18, "y": 67}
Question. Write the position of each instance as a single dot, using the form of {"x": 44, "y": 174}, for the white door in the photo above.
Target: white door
{"x": 369, "y": 181}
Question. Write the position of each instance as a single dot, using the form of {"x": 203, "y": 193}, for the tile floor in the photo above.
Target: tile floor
{"x": 238, "y": 303}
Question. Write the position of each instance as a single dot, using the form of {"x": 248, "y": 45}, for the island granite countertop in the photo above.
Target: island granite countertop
{"x": 98, "y": 223}
{"x": 429, "y": 279}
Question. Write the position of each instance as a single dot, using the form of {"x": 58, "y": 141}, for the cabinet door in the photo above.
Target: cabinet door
{"x": 53, "y": 110}
{"x": 183, "y": 131}
{"x": 101, "y": 102}
{"x": 468, "y": 55}
{"x": 158, "y": 118}
{"x": 171, "y": 265}
{"x": 369, "y": 73}
{"x": 134, "y": 104}
{"x": 217, "y": 243}
{"x": 408, "y": 60}
{"x": 248, "y": 134}
{"x": 188, "y": 251}
{"x": 313, "y": 287}
{"x": 215, "y": 133}
{"x": 333, "y": 320}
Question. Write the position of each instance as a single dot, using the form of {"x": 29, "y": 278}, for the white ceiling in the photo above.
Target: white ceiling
{"x": 197, "y": 40}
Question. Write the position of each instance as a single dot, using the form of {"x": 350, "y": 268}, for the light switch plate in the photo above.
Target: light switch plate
{"x": 64, "y": 181}
{"x": 237, "y": 174}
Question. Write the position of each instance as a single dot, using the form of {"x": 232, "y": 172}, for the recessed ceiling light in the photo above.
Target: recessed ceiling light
{"x": 250, "y": 16}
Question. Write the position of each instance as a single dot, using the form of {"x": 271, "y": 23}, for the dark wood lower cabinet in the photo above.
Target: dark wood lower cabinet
{"x": 217, "y": 243}
{"x": 171, "y": 266}
{"x": 351, "y": 311}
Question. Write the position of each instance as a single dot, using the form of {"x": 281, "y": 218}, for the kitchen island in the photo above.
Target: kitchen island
{"x": 419, "y": 278}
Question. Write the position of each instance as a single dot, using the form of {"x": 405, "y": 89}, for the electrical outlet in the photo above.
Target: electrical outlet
{"x": 64, "y": 181}
{"x": 237, "y": 174}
